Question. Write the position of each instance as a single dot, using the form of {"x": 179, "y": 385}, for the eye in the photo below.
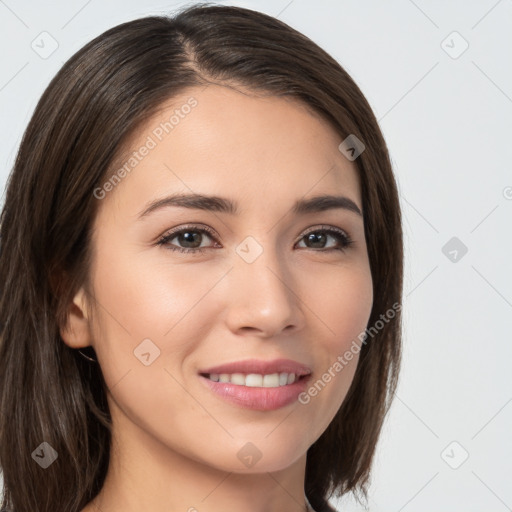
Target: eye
{"x": 318, "y": 237}
{"x": 189, "y": 236}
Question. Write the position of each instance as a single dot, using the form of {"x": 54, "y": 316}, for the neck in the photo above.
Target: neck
{"x": 144, "y": 474}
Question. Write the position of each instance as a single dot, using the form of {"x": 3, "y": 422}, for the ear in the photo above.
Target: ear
{"x": 76, "y": 332}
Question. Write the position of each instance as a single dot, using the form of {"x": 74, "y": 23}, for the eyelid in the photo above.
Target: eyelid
{"x": 184, "y": 227}
{"x": 324, "y": 227}
{"x": 169, "y": 235}
{"x": 346, "y": 237}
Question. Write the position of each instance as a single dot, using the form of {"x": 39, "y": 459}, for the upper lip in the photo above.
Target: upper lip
{"x": 261, "y": 367}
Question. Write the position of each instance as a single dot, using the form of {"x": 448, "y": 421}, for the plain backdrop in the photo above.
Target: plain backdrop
{"x": 438, "y": 76}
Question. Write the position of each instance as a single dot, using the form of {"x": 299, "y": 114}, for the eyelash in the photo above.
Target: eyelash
{"x": 343, "y": 237}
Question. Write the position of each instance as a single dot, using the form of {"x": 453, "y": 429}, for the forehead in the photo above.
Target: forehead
{"x": 227, "y": 142}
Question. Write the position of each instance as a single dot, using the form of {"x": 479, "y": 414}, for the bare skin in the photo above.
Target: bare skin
{"x": 175, "y": 443}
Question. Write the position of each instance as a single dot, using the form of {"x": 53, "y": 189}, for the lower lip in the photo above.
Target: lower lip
{"x": 256, "y": 398}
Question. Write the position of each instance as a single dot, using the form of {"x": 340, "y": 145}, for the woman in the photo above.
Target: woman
{"x": 201, "y": 268}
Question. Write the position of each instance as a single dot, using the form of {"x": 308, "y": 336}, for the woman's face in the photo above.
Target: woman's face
{"x": 268, "y": 282}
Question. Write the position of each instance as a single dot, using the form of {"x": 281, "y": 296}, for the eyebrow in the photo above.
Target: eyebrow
{"x": 224, "y": 205}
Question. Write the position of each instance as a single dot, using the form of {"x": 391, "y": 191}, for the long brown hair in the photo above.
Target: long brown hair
{"x": 51, "y": 394}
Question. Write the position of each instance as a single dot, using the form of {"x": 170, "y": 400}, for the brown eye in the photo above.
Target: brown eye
{"x": 190, "y": 238}
{"x": 318, "y": 239}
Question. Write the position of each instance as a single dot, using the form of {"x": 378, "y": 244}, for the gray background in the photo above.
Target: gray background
{"x": 447, "y": 117}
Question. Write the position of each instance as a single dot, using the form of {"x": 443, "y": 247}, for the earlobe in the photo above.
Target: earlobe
{"x": 76, "y": 331}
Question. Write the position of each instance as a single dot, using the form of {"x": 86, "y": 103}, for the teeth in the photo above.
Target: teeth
{"x": 236, "y": 378}
{"x": 272, "y": 380}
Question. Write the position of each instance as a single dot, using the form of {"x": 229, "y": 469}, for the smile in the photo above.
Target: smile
{"x": 272, "y": 380}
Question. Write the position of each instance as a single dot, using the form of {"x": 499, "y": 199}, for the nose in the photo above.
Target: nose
{"x": 263, "y": 297}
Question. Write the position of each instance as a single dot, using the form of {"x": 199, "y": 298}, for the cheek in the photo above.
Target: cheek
{"x": 153, "y": 313}
{"x": 176, "y": 306}
{"x": 147, "y": 296}
{"x": 344, "y": 303}
{"x": 342, "y": 307}
{"x": 142, "y": 298}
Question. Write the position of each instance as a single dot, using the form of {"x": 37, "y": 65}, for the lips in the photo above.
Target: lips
{"x": 227, "y": 382}
{"x": 259, "y": 366}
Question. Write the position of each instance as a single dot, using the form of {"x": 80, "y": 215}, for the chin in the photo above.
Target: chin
{"x": 252, "y": 457}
